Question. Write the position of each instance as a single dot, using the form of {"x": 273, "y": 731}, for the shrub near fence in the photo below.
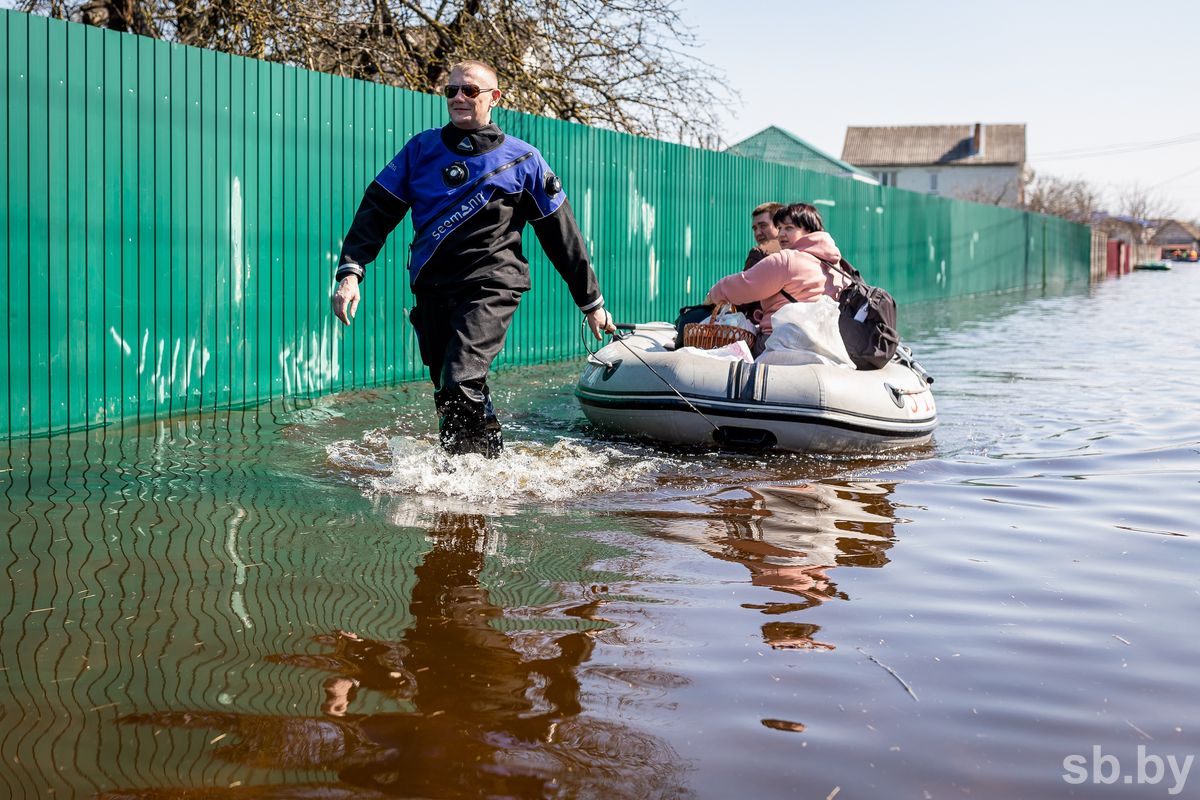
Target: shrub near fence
{"x": 173, "y": 216}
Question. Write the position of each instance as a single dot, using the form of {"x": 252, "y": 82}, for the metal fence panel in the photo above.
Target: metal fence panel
{"x": 173, "y": 218}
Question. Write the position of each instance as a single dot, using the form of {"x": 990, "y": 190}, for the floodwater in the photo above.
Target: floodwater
{"x": 311, "y": 601}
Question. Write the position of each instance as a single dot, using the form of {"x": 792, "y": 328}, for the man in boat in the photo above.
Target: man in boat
{"x": 766, "y": 242}
{"x": 766, "y": 235}
{"x": 471, "y": 190}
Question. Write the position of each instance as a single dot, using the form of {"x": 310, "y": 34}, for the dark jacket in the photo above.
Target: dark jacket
{"x": 471, "y": 194}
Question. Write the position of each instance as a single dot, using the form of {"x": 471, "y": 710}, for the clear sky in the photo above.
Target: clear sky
{"x": 1116, "y": 82}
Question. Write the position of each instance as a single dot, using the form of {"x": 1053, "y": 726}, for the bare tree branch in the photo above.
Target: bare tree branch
{"x": 1073, "y": 199}
{"x": 620, "y": 64}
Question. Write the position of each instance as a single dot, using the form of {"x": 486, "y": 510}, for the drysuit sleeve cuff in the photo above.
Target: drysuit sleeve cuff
{"x": 350, "y": 268}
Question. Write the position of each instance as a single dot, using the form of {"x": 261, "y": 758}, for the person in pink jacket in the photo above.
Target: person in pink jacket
{"x": 796, "y": 269}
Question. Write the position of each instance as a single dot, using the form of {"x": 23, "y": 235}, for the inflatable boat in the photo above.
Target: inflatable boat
{"x": 641, "y": 386}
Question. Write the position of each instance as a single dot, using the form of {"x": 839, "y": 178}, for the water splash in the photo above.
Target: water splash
{"x": 557, "y": 471}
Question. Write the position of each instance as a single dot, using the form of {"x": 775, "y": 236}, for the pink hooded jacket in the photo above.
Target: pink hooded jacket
{"x": 797, "y": 269}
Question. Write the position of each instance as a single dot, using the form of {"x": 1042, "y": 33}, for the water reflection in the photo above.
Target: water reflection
{"x": 355, "y": 663}
{"x": 150, "y": 571}
{"x": 789, "y": 538}
{"x": 475, "y": 715}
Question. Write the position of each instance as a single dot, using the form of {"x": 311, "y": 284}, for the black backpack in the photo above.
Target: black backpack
{"x": 867, "y": 320}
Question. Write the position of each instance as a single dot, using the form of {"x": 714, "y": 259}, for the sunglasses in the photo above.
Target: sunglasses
{"x": 470, "y": 90}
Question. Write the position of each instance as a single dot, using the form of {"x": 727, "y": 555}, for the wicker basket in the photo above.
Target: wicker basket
{"x": 708, "y": 336}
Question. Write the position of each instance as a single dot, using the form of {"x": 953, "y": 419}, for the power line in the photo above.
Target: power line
{"x": 1097, "y": 147}
{"x": 1115, "y": 149}
{"x": 1192, "y": 171}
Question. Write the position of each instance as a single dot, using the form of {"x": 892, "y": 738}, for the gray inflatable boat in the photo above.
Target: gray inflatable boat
{"x": 640, "y": 386}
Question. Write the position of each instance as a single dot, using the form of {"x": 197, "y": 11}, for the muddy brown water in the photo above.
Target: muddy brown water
{"x": 307, "y": 600}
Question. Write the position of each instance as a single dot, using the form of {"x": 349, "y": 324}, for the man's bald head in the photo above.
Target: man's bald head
{"x": 478, "y": 66}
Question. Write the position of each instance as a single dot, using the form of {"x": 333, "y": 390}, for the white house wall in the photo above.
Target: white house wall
{"x": 982, "y": 184}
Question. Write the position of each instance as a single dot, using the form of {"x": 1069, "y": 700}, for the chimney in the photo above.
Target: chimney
{"x": 977, "y": 140}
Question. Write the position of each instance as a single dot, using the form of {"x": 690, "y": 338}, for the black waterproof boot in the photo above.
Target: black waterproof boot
{"x": 468, "y": 427}
{"x": 492, "y": 439}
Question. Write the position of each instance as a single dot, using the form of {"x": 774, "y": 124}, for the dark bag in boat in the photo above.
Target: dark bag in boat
{"x": 687, "y": 315}
{"x": 867, "y": 320}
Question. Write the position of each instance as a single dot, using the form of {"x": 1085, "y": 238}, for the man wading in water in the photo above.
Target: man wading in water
{"x": 471, "y": 190}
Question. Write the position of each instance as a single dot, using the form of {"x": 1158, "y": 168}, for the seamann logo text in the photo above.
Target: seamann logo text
{"x": 465, "y": 210}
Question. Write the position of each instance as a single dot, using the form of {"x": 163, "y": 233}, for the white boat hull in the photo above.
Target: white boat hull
{"x": 627, "y": 388}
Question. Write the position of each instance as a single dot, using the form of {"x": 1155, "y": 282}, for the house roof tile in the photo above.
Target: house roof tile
{"x": 917, "y": 145}
{"x": 1167, "y": 232}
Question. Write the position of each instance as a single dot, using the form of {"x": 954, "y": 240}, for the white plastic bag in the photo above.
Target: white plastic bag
{"x": 738, "y": 351}
{"x": 806, "y": 333}
{"x": 735, "y": 318}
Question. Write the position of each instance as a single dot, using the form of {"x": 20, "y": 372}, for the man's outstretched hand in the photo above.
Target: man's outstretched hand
{"x": 599, "y": 322}
{"x": 345, "y": 299}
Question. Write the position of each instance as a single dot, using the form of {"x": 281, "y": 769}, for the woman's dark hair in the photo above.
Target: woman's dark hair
{"x": 802, "y": 215}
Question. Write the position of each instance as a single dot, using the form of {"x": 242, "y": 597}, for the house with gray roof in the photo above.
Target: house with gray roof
{"x": 980, "y": 162}
{"x": 782, "y": 147}
{"x": 1176, "y": 238}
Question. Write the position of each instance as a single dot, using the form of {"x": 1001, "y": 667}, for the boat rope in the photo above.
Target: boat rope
{"x": 619, "y": 337}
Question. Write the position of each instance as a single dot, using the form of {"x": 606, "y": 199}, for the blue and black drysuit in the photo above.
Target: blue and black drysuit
{"x": 471, "y": 193}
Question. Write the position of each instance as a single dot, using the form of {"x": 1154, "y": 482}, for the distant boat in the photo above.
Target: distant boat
{"x": 1152, "y": 265}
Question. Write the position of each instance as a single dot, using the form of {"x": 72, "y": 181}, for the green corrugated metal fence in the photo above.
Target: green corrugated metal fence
{"x": 173, "y": 217}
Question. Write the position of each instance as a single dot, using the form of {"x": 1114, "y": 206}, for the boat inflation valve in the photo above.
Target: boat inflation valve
{"x": 896, "y": 393}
